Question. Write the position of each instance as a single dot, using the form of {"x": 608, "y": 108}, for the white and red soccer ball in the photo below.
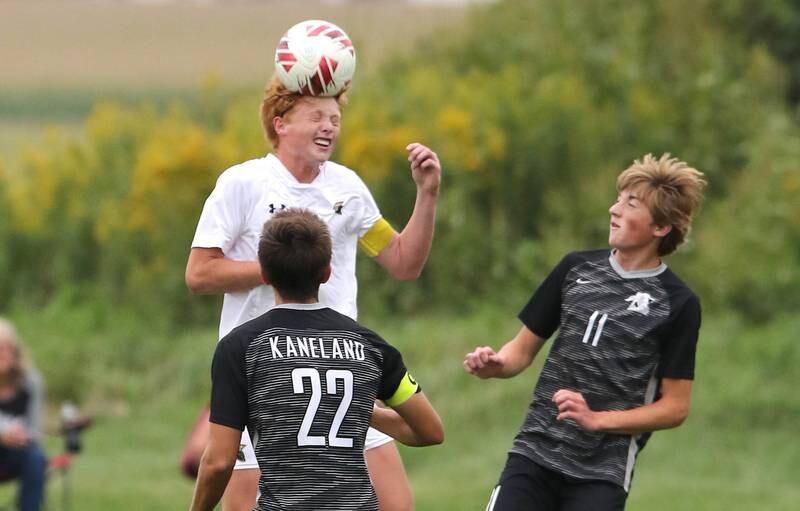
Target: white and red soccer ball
{"x": 315, "y": 58}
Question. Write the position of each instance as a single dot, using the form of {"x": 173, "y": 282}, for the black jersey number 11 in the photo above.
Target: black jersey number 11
{"x": 600, "y": 324}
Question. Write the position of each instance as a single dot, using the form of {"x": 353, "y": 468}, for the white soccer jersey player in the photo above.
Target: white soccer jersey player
{"x": 248, "y": 194}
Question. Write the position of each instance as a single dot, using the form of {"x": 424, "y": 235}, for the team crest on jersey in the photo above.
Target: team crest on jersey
{"x": 240, "y": 455}
{"x": 337, "y": 208}
{"x": 273, "y": 208}
{"x": 640, "y": 302}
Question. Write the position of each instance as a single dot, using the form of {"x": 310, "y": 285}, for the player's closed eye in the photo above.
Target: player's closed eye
{"x": 631, "y": 201}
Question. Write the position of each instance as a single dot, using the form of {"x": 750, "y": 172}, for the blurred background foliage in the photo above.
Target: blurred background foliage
{"x": 534, "y": 107}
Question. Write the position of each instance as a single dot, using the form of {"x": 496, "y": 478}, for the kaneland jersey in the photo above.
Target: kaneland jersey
{"x": 248, "y": 194}
{"x": 619, "y": 333}
{"x": 303, "y": 379}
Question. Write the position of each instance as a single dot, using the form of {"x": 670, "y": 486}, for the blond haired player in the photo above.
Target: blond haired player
{"x": 622, "y": 364}
{"x": 303, "y": 131}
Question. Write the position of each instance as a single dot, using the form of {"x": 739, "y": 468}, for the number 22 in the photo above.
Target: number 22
{"x": 331, "y": 377}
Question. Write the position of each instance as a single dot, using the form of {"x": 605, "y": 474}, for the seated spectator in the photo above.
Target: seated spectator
{"x": 21, "y": 456}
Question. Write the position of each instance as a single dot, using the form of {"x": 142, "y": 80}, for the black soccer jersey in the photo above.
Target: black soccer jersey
{"x": 619, "y": 333}
{"x": 304, "y": 379}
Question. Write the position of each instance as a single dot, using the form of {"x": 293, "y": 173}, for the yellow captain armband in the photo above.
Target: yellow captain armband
{"x": 407, "y": 388}
{"x": 377, "y": 238}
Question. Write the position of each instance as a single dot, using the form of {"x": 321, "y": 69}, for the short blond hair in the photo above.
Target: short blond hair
{"x": 672, "y": 191}
{"x": 278, "y": 101}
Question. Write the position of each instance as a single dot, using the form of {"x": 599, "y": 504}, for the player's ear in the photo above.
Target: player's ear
{"x": 326, "y": 274}
{"x": 279, "y": 124}
{"x": 659, "y": 231}
{"x": 265, "y": 278}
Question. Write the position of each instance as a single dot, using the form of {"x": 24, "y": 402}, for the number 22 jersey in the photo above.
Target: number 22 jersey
{"x": 303, "y": 378}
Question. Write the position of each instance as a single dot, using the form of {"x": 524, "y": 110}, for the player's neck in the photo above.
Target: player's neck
{"x": 303, "y": 170}
{"x": 638, "y": 259}
{"x": 280, "y": 300}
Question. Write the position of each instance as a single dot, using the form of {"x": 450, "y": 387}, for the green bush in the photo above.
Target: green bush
{"x": 533, "y": 107}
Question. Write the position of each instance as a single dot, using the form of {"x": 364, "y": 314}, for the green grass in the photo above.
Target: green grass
{"x": 721, "y": 459}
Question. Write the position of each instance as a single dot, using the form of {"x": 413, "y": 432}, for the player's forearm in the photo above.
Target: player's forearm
{"x": 644, "y": 419}
{"x": 517, "y": 355}
{"x": 211, "y": 482}
{"x": 412, "y": 246}
{"x": 389, "y": 422}
{"x": 220, "y": 275}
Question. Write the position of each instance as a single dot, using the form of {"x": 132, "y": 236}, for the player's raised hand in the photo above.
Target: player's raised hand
{"x": 484, "y": 362}
{"x": 572, "y": 405}
{"x": 425, "y": 167}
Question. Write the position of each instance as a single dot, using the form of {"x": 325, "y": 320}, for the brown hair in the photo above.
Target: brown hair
{"x": 278, "y": 101}
{"x": 672, "y": 191}
{"x": 294, "y": 252}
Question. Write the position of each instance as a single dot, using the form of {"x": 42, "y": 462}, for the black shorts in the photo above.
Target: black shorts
{"x": 526, "y": 486}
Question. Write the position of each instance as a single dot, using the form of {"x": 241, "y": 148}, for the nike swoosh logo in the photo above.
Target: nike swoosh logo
{"x": 582, "y": 281}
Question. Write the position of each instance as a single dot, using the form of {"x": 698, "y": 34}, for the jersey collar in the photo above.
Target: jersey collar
{"x": 301, "y": 306}
{"x": 284, "y": 174}
{"x": 638, "y": 274}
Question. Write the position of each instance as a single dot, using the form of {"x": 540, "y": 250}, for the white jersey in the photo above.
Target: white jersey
{"x": 248, "y": 194}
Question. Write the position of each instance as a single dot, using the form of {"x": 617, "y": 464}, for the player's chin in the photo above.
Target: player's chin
{"x": 323, "y": 153}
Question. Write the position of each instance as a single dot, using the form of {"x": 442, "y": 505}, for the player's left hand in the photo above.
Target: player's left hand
{"x": 425, "y": 168}
{"x": 572, "y": 405}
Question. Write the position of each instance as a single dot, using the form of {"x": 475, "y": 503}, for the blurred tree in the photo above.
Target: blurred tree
{"x": 533, "y": 107}
{"x": 776, "y": 24}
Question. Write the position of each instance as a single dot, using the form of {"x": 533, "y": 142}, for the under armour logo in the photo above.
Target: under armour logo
{"x": 272, "y": 208}
{"x": 640, "y": 302}
{"x": 240, "y": 455}
{"x": 337, "y": 208}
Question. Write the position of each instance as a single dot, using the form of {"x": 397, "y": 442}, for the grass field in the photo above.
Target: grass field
{"x": 722, "y": 459}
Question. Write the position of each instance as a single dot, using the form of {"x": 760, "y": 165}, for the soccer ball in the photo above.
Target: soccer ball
{"x": 315, "y": 58}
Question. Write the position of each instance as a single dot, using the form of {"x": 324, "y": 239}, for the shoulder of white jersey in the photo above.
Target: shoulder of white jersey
{"x": 341, "y": 173}
{"x": 246, "y": 171}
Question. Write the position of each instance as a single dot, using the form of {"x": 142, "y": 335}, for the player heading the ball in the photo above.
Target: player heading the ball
{"x": 304, "y": 379}
{"x": 315, "y": 58}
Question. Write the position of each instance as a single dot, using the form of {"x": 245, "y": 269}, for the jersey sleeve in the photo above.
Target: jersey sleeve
{"x": 224, "y": 215}
{"x": 229, "y": 385}
{"x": 374, "y": 232}
{"x": 397, "y": 385}
{"x": 377, "y": 238}
{"x": 679, "y": 344}
{"x": 542, "y": 314}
